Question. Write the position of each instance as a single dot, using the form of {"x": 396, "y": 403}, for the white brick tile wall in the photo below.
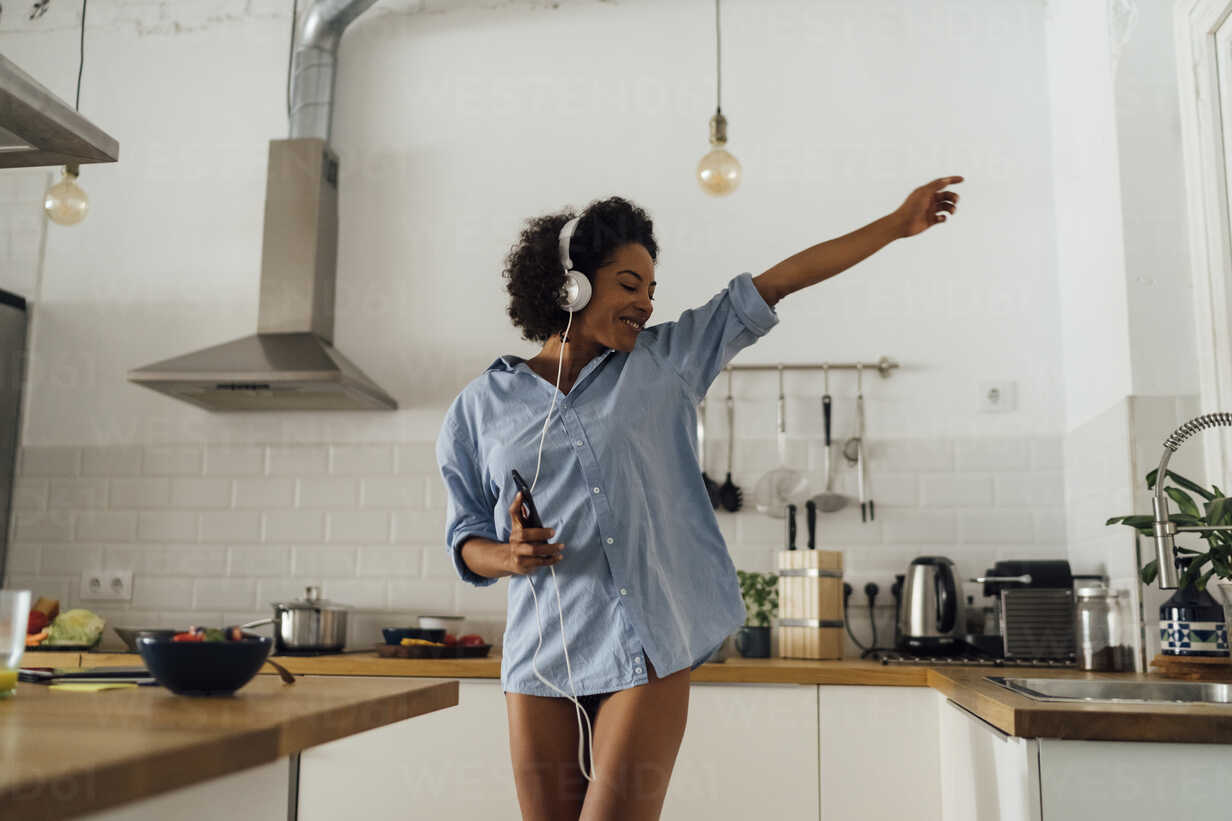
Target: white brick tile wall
{"x": 390, "y": 560}
{"x": 298, "y": 460}
{"x": 31, "y": 494}
{"x": 323, "y": 562}
{"x": 353, "y": 526}
{"x": 200, "y": 494}
{"x": 106, "y": 526}
{"x": 234, "y": 461}
{"x": 171, "y": 460}
{"x": 49, "y": 461}
{"x": 264, "y": 494}
{"x": 361, "y": 460}
{"x": 402, "y": 492}
{"x": 231, "y": 526}
{"x": 224, "y": 593}
{"x": 328, "y": 493}
{"x": 417, "y": 457}
{"x": 140, "y": 493}
{"x": 214, "y": 532}
{"x": 258, "y": 560}
{"x": 956, "y": 490}
{"x": 991, "y": 454}
{"x": 77, "y": 494}
{"x": 167, "y": 526}
{"x": 293, "y": 526}
{"x": 993, "y": 526}
{"x": 124, "y": 460}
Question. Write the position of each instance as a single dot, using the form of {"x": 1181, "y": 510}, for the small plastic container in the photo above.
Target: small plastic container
{"x": 1100, "y": 628}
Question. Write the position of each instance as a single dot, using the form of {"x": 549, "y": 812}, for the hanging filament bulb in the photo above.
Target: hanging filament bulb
{"x": 718, "y": 173}
{"x": 65, "y": 202}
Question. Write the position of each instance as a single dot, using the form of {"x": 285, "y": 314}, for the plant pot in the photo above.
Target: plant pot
{"x": 1192, "y": 623}
{"x": 753, "y": 642}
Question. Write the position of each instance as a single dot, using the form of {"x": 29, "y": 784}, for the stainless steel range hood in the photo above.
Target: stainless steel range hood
{"x": 290, "y": 363}
{"x": 38, "y": 128}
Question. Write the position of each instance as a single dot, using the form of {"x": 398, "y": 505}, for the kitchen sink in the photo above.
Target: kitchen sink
{"x": 1063, "y": 689}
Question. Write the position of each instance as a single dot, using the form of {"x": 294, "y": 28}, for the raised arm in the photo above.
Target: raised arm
{"x": 922, "y": 209}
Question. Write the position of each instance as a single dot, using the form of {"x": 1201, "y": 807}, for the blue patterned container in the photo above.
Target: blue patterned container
{"x": 1191, "y": 623}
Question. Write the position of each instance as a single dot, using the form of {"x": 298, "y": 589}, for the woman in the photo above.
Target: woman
{"x": 603, "y": 418}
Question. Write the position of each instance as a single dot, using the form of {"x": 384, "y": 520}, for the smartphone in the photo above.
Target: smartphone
{"x": 530, "y": 516}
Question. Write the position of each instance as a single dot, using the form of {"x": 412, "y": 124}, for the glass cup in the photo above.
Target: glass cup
{"x": 14, "y": 616}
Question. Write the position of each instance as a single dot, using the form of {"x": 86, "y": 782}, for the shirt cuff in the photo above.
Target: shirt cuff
{"x": 747, "y": 302}
{"x": 455, "y": 552}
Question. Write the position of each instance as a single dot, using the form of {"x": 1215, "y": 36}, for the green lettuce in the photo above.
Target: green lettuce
{"x": 75, "y": 627}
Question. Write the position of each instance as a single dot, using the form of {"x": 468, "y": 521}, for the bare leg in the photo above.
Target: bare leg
{"x": 543, "y": 744}
{"x": 637, "y": 735}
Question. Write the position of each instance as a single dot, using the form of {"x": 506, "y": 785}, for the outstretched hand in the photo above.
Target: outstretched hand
{"x": 926, "y": 206}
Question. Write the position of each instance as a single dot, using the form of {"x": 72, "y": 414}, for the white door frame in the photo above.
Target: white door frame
{"x": 1197, "y": 23}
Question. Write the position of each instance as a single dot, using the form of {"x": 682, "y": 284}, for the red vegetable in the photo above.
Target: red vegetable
{"x": 471, "y": 640}
{"x": 188, "y": 637}
{"x": 450, "y": 639}
{"x": 38, "y": 620}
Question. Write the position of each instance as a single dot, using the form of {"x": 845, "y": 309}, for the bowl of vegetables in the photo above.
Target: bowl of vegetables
{"x": 204, "y": 661}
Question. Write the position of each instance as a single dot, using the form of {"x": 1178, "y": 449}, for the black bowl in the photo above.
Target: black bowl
{"x": 395, "y": 635}
{"x": 129, "y": 635}
{"x": 204, "y": 668}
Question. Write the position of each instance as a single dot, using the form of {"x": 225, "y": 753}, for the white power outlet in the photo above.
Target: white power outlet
{"x": 110, "y": 585}
{"x": 998, "y": 396}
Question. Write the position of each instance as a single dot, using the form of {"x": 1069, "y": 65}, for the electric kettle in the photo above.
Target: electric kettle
{"x": 931, "y": 618}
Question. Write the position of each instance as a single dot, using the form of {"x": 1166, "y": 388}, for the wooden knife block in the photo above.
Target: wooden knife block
{"x": 810, "y": 589}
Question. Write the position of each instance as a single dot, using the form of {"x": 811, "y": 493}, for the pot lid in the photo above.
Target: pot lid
{"x": 311, "y": 601}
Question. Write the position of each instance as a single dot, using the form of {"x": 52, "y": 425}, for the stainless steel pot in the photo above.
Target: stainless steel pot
{"x": 310, "y": 623}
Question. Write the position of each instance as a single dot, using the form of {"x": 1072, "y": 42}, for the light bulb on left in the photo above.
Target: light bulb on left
{"x": 65, "y": 202}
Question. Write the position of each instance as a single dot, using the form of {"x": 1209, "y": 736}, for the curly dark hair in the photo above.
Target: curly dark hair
{"x": 533, "y": 270}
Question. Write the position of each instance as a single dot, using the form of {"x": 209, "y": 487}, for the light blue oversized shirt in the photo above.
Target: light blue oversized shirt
{"x": 645, "y": 573}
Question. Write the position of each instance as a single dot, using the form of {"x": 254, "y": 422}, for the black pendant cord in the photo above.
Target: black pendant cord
{"x": 81, "y": 56}
{"x": 718, "y": 61}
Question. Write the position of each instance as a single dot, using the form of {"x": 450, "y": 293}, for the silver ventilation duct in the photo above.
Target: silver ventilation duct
{"x": 38, "y": 128}
{"x": 290, "y": 363}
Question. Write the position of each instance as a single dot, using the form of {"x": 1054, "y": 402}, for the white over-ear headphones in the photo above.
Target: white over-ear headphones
{"x": 576, "y": 292}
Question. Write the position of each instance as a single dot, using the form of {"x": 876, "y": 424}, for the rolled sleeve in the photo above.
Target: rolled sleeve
{"x": 700, "y": 344}
{"x": 469, "y": 507}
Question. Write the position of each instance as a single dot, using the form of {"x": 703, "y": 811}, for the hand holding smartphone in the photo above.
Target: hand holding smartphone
{"x": 528, "y": 545}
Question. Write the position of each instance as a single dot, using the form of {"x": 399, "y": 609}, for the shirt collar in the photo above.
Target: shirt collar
{"x": 510, "y": 362}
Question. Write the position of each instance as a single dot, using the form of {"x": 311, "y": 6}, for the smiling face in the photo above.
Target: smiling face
{"x": 620, "y": 305}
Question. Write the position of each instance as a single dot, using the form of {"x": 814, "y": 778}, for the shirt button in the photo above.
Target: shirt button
{"x": 596, "y": 490}
{"x": 610, "y": 540}
{"x": 624, "y": 591}
{"x": 578, "y": 443}
{"x": 637, "y": 669}
{"x": 637, "y": 660}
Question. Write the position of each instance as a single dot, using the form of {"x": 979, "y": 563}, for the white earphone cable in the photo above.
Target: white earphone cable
{"x": 563, "y": 643}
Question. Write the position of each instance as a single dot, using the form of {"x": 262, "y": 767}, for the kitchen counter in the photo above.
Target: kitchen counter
{"x": 68, "y": 753}
{"x": 1009, "y": 712}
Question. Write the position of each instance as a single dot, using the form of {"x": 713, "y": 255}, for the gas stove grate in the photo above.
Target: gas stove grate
{"x": 969, "y": 660}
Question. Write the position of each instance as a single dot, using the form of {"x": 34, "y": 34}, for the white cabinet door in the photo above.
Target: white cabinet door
{"x": 986, "y": 775}
{"x": 256, "y": 794}
{"x": 878, "y": 753}
{"x": 1135, "y": 781}
{"x": 749, "y": 751}
{"x": 450, "y": 764}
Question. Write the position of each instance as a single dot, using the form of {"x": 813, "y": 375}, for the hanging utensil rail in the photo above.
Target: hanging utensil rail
{"x": 883, "y": 366}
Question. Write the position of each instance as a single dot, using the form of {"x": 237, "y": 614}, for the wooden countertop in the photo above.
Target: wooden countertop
{"x": 67, "y": 753}
{"x": 1010, "y": 712}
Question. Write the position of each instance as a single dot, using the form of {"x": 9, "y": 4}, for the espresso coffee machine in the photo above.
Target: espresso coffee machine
{"x": 1033, "y": 604}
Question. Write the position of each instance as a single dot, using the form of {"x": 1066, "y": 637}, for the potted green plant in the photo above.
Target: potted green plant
{"x": 1191, "y": 623}
{"x": 761, "y": 600}
{"x": 1216, "y": 510}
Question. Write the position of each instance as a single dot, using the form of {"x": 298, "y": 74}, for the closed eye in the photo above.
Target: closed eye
{"x": 632, "y": 289}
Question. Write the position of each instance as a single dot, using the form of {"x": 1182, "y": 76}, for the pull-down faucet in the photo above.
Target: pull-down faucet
{"x": 1165, "y": 530}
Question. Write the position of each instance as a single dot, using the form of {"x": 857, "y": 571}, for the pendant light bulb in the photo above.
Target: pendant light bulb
{"x": 65, "y": 202}
{"x": 718, "y": 173}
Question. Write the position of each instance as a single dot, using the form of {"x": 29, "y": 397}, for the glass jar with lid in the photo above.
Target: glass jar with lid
{"x": 1100, "y": 628}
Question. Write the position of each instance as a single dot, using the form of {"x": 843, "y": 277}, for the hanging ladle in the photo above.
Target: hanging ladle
{"x": 828, "y": 501}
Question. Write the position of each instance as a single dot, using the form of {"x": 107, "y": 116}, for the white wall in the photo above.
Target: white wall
{"x": 455, "y": 124}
